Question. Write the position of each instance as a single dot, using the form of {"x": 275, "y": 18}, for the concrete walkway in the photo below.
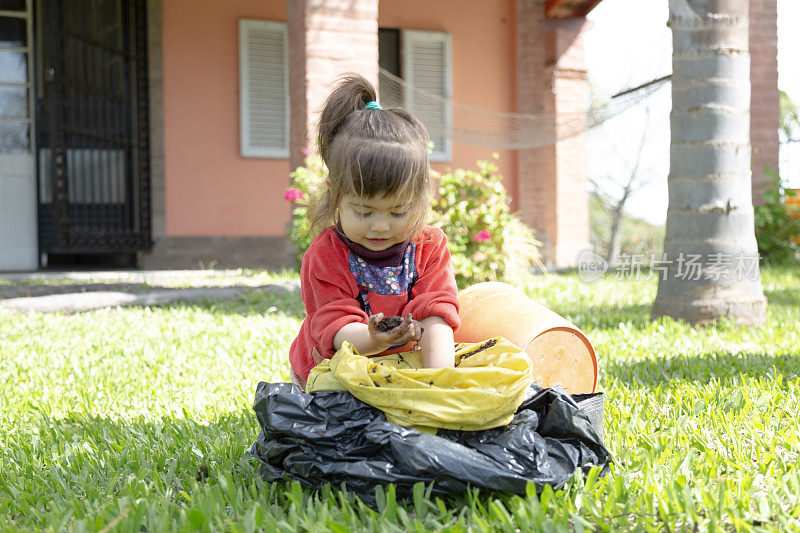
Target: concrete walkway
{"x": 73, "y": 292}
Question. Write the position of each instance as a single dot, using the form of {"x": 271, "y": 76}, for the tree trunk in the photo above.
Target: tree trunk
{"x": 615, "y": 240}
{"x": 710, "y": 263}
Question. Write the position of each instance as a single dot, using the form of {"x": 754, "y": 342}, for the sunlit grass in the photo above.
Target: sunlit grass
{"x": 140, "y": 418}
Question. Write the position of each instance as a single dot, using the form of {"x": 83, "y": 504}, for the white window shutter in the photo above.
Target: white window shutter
{"x": 427, "y": 66}
{"x": 263, "y": 89}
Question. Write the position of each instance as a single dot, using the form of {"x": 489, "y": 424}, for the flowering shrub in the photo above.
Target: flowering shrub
{"x": 307, "y": 184}
{"x": 293, "y": 194}
{"x": 486, "y": 241}
{"x": 483, "y": 236}
{"x": 775, "y": 223}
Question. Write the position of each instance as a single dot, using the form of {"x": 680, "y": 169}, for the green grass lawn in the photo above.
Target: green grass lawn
{"x": 139, "y": 418}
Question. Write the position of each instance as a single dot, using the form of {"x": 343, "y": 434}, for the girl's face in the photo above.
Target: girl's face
{"x": 375, "y": 223}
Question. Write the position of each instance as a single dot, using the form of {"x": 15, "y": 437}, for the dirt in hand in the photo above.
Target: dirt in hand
{"x": 390, "y": 322}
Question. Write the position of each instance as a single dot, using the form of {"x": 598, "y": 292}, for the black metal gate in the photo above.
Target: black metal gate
{"x": 92, "y": 127}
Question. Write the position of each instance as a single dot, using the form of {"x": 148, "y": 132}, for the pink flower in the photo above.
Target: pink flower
{"x": 293, "y": 194}
{"x": 304, "y": 151}
{"x": 483, "y": 236}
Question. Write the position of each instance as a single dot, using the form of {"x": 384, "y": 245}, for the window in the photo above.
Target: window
{"x": 263, "y": 89}
{"x": 422, "y": 60}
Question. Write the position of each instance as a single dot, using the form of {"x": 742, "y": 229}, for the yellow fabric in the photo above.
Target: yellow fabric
{"x": 483, "y": 391}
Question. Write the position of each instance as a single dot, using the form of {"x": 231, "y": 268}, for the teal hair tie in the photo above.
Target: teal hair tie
{"x": 373, "y": 105}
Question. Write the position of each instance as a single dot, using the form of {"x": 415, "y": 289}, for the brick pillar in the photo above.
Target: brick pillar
{"x": 551, "y": 78}
{"x": 571, "y": 94}
{"x": 327, "y": 38}
{"x": 764, "y": 106}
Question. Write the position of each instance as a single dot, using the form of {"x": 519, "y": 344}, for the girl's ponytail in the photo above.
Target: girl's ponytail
{"x": 352, "y": 94}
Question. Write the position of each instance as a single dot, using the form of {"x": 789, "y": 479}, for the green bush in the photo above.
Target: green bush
{"x": 486, "y": 241}
{"x": 775, "y": 227}
{"x": 307, "y": 185}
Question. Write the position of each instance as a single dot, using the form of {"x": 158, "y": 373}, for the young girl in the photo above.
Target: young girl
{"x": 378, "y": 258}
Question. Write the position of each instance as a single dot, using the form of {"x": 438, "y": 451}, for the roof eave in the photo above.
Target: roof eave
{"x": 569, "y": 8}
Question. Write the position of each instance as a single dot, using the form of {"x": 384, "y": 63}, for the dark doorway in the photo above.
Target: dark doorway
{"x": 389, "y": 50}
{"x": 92, "y": 129}
{"x": 390, "y": 64}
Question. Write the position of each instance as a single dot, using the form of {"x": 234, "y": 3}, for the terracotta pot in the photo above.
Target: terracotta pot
{"x": 560, "y": 352}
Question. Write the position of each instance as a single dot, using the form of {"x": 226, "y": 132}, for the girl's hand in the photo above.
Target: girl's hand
{"x": 408, "y": 330}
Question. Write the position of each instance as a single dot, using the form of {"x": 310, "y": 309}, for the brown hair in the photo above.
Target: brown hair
{"x": 370, "y": 152}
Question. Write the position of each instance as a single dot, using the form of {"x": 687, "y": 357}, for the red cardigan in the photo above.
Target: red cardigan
{"x": 330, "y": 293}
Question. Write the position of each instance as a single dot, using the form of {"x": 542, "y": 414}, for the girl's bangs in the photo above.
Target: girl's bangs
{"x": 388, "y": 169}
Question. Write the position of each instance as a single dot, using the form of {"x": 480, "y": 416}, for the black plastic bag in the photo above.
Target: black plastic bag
{"x": 331, "y": 437}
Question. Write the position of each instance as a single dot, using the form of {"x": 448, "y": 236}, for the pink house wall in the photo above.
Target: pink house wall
{"x": 211, "y": 190}
{"x": 484, "y": 62}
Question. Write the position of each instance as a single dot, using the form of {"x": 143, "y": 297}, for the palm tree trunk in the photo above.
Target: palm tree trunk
{"x": 710, "y": 253}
